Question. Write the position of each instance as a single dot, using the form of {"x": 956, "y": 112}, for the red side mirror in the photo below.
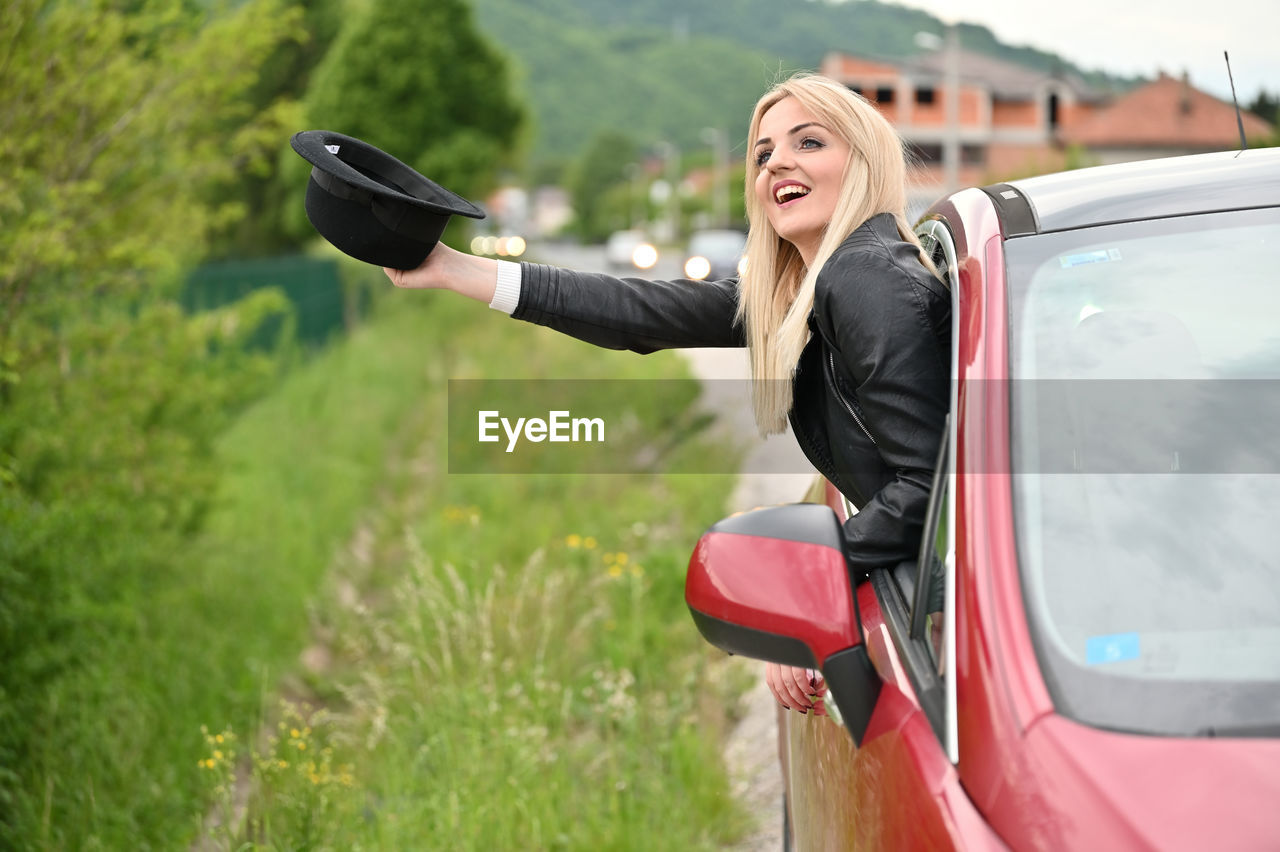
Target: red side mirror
{"x": 773, "y": 584}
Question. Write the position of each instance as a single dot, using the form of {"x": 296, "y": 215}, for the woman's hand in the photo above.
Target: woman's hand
{"x": 448, "y": 269}
{"x": 796, "y": 688}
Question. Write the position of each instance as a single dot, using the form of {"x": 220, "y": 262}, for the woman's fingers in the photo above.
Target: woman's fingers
{"x": 789, "y": 685}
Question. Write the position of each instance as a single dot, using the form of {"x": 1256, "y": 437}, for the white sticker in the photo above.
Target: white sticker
{"x": 1008, "y": 193}
{"x": 332, "y": 149}
{"x": 1099, "y": 256}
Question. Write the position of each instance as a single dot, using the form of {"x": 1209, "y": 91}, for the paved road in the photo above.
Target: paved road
{"x": 774, "y": 471}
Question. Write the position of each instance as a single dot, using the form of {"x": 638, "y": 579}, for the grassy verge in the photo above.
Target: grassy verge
{"x": 513, "y": 665}
{"x": 512, "y": 662}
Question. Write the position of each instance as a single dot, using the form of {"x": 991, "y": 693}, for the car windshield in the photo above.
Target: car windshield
{"x": 717, "y": 244}
{"x": 1145, "y": 418}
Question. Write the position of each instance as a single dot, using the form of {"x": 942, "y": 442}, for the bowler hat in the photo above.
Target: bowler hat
{"x": 372, "y": 206}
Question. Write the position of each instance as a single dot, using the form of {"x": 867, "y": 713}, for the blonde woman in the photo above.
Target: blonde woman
{"x": 847, "y": 326}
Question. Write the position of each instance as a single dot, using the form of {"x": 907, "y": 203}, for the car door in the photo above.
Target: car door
{"x": 899, "y": 789}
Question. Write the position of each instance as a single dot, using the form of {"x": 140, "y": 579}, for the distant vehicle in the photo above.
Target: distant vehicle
{"x": 627, "y": 250}
{"x": 1106, "y": 674}
{"x": 713, "y": 255}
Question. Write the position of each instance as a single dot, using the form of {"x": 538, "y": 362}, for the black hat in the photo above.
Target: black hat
{"x": 372, "y": 206}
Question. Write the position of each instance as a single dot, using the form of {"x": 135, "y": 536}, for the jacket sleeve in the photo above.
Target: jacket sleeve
{"x": 630, "y": 313}
{"x": 893, "y": 336}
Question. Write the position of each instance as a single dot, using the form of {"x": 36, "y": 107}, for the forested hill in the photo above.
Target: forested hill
{"x": 666, "y": 69}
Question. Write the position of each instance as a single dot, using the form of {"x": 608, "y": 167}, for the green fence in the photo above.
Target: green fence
{"x": 325, "y": 305}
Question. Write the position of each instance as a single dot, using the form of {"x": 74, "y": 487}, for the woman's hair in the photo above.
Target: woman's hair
{"x": 776, "y": 287}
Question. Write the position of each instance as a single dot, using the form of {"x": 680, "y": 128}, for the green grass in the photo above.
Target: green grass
{"x": 494, "y": 687}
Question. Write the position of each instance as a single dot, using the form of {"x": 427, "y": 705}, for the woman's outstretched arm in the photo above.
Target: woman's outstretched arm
{"x": 449, "y": 269}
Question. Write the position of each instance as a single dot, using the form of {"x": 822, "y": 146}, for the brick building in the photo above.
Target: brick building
{"x": 1164, "y": 118}
{"x": 1014, "y": 121}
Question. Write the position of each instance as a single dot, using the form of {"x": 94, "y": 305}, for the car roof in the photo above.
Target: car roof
{"x": 1149, "y": 189}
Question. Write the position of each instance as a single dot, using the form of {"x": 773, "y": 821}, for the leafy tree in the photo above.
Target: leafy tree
{"x": 603, "y": 165}
{"x": 264, "y": 193}
{"x": 1266, "y": 106}
{"x": 120, "y": 120}
{"x": 418, "y": 81}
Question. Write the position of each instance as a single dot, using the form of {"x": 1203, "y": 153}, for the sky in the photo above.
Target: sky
{"x": 1141, "y": 36}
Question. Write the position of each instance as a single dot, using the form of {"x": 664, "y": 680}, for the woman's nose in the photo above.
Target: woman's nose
{"x": 779, "y": 159}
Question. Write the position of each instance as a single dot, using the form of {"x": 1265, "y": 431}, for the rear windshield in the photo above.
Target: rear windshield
{"x": 1145, "y": 419}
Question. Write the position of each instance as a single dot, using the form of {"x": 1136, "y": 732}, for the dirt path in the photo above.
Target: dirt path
{"x": 774, "y": 471}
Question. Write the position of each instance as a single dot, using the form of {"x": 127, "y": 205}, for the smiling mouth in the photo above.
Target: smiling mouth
{"x": 790, "y": 192}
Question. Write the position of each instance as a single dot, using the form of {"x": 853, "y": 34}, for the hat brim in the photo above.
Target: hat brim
{"x": 372, "y": 206}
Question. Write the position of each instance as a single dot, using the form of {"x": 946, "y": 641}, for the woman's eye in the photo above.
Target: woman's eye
{"x": 810, "y": 143}
{"x": 762, "y": 158}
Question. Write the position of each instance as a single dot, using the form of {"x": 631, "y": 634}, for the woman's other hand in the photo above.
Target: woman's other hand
{"x": 796, "y": 688}
{"x": 448, "y": 269}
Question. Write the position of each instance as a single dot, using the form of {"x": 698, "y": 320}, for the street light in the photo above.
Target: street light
{"x": 951, "y": 141}
{"x": 636, "y": 208}
{"x": 671, "y": 158}
{"x": 950, "y": 45}
{"x": 719, "y": 142}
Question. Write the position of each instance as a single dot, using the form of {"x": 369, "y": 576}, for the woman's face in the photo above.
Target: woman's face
{"x": 801, "y": 169}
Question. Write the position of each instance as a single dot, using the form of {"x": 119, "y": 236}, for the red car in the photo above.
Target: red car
{"x": 1106, "y": 674}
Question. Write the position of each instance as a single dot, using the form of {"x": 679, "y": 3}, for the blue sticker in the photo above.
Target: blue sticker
{"x": 1111, "y": 649}
{"x": 1099, "y": 256}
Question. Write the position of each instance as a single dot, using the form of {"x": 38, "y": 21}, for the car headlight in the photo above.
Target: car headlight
{"x": 697, "y": 267}
{"x": 644, "y": 256}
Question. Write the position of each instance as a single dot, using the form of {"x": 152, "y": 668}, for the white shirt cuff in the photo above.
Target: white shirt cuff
{"x": 506, "y": 295}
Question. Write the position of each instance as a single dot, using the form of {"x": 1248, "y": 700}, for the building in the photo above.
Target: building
{"x": 1014, "y": 121}
{"x": 1009, "y": 118}
{"x": 1165, "y": 118}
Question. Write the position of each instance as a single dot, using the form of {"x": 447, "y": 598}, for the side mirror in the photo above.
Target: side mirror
{"x": 773, "y": 584}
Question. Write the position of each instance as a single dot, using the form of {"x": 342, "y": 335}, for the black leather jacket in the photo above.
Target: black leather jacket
{"x": 871, "y": 388}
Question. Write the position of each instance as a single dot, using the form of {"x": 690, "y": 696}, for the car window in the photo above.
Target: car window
{"x": 1145, "y": 358}
{"x": 912, "y": 600}
{"x": 914, "y": 595}
{"x": 928, "y": 593}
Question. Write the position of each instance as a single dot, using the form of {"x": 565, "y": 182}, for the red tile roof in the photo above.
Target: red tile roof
{"x": 1167, "y": 113}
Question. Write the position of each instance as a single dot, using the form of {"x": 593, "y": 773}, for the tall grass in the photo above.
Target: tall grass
{"x": 493, "y": 685}
{"x": 513, "y": 663}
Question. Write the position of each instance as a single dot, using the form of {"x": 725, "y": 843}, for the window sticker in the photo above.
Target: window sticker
{"x": 1112, "y": 648}
{"x": 1099, "y": 256}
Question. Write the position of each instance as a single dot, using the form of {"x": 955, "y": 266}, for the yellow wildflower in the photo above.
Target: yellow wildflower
{"x": 615, "y": 571}
{"x": 589, "y": 542}
{"x": 301, "y": 746}
{"x": 217, "y": 754}
{"x": 573, "y": 540}
{"x": 623, "y": 558}
{"x": 218, "y": 738}
{"x": 293, "y": 732}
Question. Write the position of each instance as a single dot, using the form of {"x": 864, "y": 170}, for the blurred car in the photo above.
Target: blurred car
{"x": 714, "y": 254}
{"x": 629, "y": 250}
{"x": 1107, "y": 671}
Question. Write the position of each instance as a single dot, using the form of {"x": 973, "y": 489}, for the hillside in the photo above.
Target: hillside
{"x": 665, "y": 69}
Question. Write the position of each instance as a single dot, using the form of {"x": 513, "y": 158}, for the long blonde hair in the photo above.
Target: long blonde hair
{"x": 776, "y": 287}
